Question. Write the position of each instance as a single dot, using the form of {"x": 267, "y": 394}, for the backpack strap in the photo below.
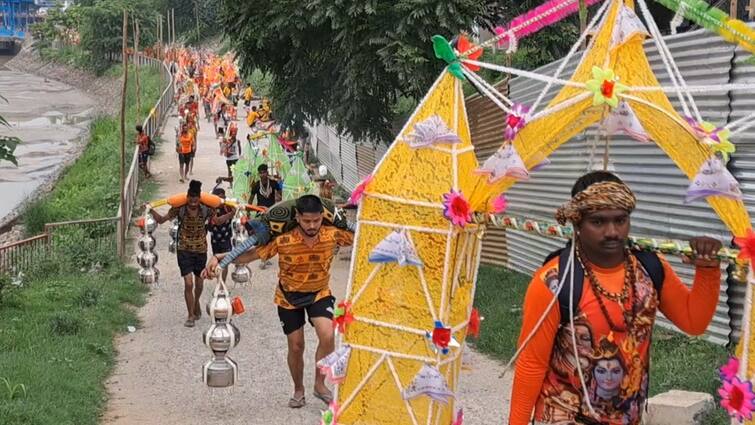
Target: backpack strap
{"x": 654, "y": 268}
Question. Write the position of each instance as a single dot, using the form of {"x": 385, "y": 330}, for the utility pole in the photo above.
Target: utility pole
{"x": 123, "y": 221}
{"x": 173, "y": 23}
{"x": 137, "y": 58}
{"x": 168, "y": 21}
{"x": 733, "y": 8}
{"x": 196, "y": 17}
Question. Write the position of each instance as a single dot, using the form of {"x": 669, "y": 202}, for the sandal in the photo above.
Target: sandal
{"x": 189, "y": 323}
{"x": 326, "y": 398}
{"x": 296, "y": 404}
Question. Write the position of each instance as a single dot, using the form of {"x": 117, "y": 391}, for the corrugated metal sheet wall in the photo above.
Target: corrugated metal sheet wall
{"x": 659, "y": 185}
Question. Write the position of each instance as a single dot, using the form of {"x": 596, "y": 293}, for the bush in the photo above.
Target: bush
{"x": 89, "y": 296}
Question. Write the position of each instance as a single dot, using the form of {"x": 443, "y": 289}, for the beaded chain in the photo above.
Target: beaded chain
{"x": 621, "y": 298}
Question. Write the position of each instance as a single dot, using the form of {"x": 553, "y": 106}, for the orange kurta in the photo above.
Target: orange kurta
{"x": 615, "y": 369}
{"x": 304, "y": 268}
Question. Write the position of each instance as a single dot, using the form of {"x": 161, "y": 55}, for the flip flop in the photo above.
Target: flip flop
{"x": 189, "y": 323}
{"x": 326, "y": 398}
{"x": 296, "y": 404}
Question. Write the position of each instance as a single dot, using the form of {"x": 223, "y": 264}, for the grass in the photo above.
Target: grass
{"x": 90, "y": 187}
{"x": 59, "y": 321}
{"x": 677, "y": 361}
{"x": 56, "y": 337}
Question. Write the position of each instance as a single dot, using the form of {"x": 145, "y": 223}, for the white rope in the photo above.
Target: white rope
{"x": 371, "y": 276}
{"x": 406, "y": 227}
{"x": 400, "y": 389}
{"x": 571, "y": 53}
{"x": 585, "y": 393}
{"x": 673, "y": 70}
{"x": 563, "y": 105}
{"x": 750, "y": 119}
{"x": 428, "y": 360}
{"x": 673, "y": 117}
{"x": 678, "y": 18}
{"x": 531, "y": 75}
{"x": 423, "y": 282}
{"x": 405, "y": 201}
{"x": 382, "y": 324}
{"x": 491, "y": 88}
{"x": 746, "y": 328}
{"x": 485, "y": 91}
{"x": 363, "y": 382}
{"x": 444, "y": 283}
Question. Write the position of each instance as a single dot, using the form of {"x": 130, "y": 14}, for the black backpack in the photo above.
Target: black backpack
{"x": 649, "y": 261}
{"x": 151, "y": 148}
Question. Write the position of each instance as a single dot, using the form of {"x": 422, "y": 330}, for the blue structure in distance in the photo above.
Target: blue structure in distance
{"x": 15, "y": 17}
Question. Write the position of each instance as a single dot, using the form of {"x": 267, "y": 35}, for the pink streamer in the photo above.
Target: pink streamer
{"x": 540, "y": 17}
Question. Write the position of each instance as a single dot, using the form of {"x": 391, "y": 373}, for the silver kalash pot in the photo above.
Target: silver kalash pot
{"x": 220, "y": 372}
{"x": 147, "y": 259}
{"x": 146, "y": 242}
{"x": 150, "y": 224}
{"x": 149, "y": 276}
{"x": 222, "y": 336}
{"x": 241, "y": 274}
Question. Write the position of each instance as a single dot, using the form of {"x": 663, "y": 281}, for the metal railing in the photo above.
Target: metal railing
{"x": 100, "y": 237}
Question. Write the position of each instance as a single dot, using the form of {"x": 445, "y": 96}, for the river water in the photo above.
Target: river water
{"x": 52, "y": 121}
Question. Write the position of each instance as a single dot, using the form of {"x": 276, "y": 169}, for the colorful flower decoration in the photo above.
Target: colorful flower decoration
{"x": 459, "y": 418}
{"x": 342, "y": 316}
{"x": 498, "y": 204}
{"x": 443, "y": 50}
{"x": 462, "y": 46}
{"x": 737, "y": 398}
{"x": 442, "y": 338}
{"x": 473, "y": 328}
{"x": 515, "y": 121}
{"x": 356, "y": 195}
{"x": 330, "y": 416}
{"x": 715, "y": 137}
{"x": 729, "y": 370}
{"x": 746, "y": 246}
{"x": 606, "y": 87}
{"x": 456, "y": 208}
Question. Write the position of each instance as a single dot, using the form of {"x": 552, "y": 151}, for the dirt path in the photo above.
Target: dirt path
{"x": 158, "y": 377}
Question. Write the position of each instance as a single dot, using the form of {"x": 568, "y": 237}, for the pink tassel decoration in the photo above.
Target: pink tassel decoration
{"x": 542, "y": 16}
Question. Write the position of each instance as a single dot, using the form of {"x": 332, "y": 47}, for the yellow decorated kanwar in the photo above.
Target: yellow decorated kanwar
{"x": 394, "y": 306}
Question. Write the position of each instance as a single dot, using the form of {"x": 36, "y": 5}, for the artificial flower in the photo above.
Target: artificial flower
{"x": 515, "y": 121}
{"x": 464, "y": 45}
{"x": 606, "y": 87}
{"x": 717, "y": 138}
{"x": 459, "y": 418}
{"x": 456, "y": 208}
{"x": 746, "y": 245}
{"x": 342, "y": 316}
{"x": 737, "y": 398}
{"x": 729, "y": 370}
{"x": 475, "y": 319}
{"x": 498, "y": 204}
{"x": 443, "y": 50}
{"x": 330, "y": 416}
{"x": 356, "y": 195}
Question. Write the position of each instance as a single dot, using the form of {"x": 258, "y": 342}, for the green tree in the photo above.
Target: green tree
{"x": 347, "y": 62}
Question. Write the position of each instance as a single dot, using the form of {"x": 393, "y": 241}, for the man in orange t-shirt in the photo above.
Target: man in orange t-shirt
{"x": 588, "y": 362}
{"x": 185, "y": 149}
{"x": 303, "y": 291}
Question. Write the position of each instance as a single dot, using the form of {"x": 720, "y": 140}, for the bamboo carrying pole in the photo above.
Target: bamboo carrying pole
{"x": 123, "y": 220}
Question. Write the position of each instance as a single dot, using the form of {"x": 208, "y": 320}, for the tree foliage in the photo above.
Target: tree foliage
{"x": 347, "y": 62}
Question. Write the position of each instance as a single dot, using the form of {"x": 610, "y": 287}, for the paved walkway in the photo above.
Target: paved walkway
{"x": 158, "y": 376}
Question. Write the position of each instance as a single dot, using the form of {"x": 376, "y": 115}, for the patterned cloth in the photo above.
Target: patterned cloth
{"x": 220, "y": 234}
{"x": 597, "y": 196}
{"x": 192, "y": 236}
{"x": 304, "y": 268}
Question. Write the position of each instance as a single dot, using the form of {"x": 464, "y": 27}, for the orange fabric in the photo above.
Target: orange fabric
{"x": 143, "y": 141}
{"x": 304, "y": 268}
{"x": 186, "y": 142}
{"x": 690, "y": 310}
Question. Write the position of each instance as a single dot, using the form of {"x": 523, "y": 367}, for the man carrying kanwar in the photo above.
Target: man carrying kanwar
{"x": 303, "y": 290}
{"x": 588, "y": 362}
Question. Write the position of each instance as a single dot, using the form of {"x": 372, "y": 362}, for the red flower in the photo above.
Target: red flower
{"x": 441, "y": 337}
{"x": 474, "y": 323}
{"x": 462, "y": 46}
{"x": 737, "y": 398}
{"x": 746, "y": 245}
{"x": 456, "y": 208}
{"x": 342, "y": 316}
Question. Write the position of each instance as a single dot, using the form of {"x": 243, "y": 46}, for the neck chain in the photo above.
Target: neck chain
{"x": 265, "y": 190}
{"x": 622, "y": 298}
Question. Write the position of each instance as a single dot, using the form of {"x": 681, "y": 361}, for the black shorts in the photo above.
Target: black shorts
{"x": 143, "y": 157}
{"x": 185, "y": 158}
{"x": 231, "y": 162}
{"x": 191, "y": 262}
{"x": 221, "y": 247}
{"x": 293, "y": 320}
